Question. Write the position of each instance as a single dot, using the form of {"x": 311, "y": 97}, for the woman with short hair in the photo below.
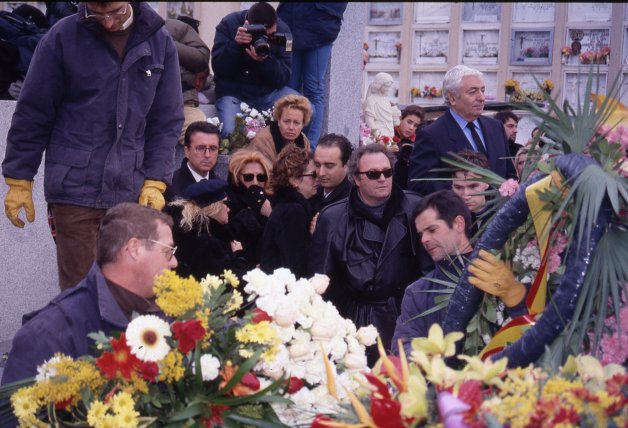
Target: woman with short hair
{"x": 249, "y": 191}
{"x": 292, "y": 113}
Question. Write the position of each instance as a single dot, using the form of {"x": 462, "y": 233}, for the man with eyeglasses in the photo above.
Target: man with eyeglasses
{"x": 134, "y": 245}
{"x": 102, "y": 99}
{"x": 200, "y": 146}
{"x": 368, "y": 246}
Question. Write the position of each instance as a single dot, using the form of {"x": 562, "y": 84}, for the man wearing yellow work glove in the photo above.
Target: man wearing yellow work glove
{"x": 151, "y": 194}
{"x": 20, "y": 195}
{"x": 494, "y": 276}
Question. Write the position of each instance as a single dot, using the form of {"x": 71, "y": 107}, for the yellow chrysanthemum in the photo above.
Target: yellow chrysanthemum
{"x": 97, "y": 412}
{"x": 210, "y": 283}
{"x": 122, "y": 402}
{"x": 25, "y": 402}
{"x": 172, "y": 367}
{"x": 127, "y": 418}
{"x": 234, "y": 303}
{"x": 262, "y": 333}
{"x": 176, "y": 295}
{"x": 107, "y": 421}
{"x": 231, "y": 278}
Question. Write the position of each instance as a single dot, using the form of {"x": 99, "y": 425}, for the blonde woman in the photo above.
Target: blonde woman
{"x": 292, "y": 113}
{"x": 200, "y": 232}
{"x": 249, "y": 191}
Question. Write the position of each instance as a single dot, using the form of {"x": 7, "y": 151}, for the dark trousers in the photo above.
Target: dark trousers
{"x": 76, "y": 229}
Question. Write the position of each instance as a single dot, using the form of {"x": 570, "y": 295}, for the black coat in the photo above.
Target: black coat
{"x": 368, "y": 276}
{"x": 236, "y": 74}
{"x": 200, "y": 253}
{"x": 444, "y": 136}
{"x": 313, "y": 24}
{"x": 286, "y": 238}
{"x": 319, "y": 201}
{"x": 245, "y": 221}
{"x": 181, "y": 179}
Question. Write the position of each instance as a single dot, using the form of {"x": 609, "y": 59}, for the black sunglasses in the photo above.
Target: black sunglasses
{"x": 374, "y": 175}
{"x": 249, "y": 177}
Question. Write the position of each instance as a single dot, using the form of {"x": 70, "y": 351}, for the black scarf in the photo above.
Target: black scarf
{"x": 393, "y": 206}
{"x": 280, "y": 142}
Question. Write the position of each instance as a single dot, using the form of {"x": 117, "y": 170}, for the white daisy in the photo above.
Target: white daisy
{"x": 146, "y": 336}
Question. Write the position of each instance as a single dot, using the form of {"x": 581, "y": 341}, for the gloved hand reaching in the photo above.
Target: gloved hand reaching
{"x": 151, "y": 194}
{"x": 20, "y": 195}
{"x": 494, "y": 277}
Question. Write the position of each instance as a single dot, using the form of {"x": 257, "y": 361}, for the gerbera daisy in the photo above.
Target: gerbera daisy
{"x": 146, "y": 336}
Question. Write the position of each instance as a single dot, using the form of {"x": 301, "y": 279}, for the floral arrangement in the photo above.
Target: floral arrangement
{"x": 565, "y": 50}
{"x": 208, "y": 366}
{"x": 542, "y": 52}
{"x": 595, "y": 57}
{"x": 428, "y": 92}
{"x": 519, "y": 95}
{"x": 312, "y": 334}
{"x": 369, "y": 136}
{"x": 426, "y": 392}
{"x": 248, "y": 122}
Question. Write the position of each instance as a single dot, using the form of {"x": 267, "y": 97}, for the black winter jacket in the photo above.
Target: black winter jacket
{"x": 368, "y": 276}
{"x": 236, "y": 74}
{"x": 286, "y": 238}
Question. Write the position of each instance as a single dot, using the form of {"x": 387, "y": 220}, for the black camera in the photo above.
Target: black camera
{"x": 261, "y": 41}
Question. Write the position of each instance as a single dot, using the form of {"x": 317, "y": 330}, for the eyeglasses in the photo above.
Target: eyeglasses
{"x": 374, "y": 175}
{"x": 171, "y": 249}
{"x": 249, "y": 177}
{"x": 203, "y": 149}
{"x": 115, "y": 14}
{"x": 313, "y": 175}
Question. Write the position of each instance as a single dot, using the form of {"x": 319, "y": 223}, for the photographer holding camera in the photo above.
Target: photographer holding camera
{"x": 251, "y": 60}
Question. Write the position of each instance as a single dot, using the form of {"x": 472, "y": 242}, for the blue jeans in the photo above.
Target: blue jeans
{"x": 228, "y": 106}
{"x": 309, "y": 67}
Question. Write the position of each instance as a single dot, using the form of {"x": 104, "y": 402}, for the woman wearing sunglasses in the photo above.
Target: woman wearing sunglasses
{"x": 286, "y": 238}
{"x": 249, "y": 191}
{"x": 292, "y": 113}
{"x": 200, "y": 232}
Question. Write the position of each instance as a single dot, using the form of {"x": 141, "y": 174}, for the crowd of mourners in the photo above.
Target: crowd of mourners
{"x": 112, "y": 98}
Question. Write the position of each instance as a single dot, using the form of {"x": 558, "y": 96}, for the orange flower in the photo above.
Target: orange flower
{"x": 247, "y": 385}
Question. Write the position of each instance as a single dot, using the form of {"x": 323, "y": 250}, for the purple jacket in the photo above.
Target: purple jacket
{"x": 63, "y": 325}
{"x": 105, "y": 124}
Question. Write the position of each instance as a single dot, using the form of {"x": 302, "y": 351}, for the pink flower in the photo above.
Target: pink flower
{"x": 613, "y": 348}
{"x": 559, "y": 243}
{"x": 509, "y": 187}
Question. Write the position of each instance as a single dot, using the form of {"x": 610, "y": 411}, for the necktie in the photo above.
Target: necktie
{"x": 476, "y": 138}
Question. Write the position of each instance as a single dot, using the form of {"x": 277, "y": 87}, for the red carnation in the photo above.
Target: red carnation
{"x": 188, "y": 333}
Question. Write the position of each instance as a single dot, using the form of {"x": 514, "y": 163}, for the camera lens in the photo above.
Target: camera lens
{"x": 261, "y": 46}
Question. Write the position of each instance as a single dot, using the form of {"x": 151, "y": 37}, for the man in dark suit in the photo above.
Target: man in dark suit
{"x": 201, "y": 144}
{"x": 461, "y": 127}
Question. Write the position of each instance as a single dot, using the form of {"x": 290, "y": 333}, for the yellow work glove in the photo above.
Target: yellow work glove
{"x": 151, "y": 194}
{"x": 493, "y": 276}
{"x": 20, "y": 195}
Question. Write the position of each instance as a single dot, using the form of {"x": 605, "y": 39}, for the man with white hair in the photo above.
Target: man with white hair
{"x": 461, "y": 127}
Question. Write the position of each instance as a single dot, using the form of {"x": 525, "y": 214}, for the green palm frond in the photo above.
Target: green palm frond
{"x": 606, "y": 280}
{"x": 575, "y": 128}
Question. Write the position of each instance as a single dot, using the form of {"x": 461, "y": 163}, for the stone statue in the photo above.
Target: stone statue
{"x": 379, "y": 113}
